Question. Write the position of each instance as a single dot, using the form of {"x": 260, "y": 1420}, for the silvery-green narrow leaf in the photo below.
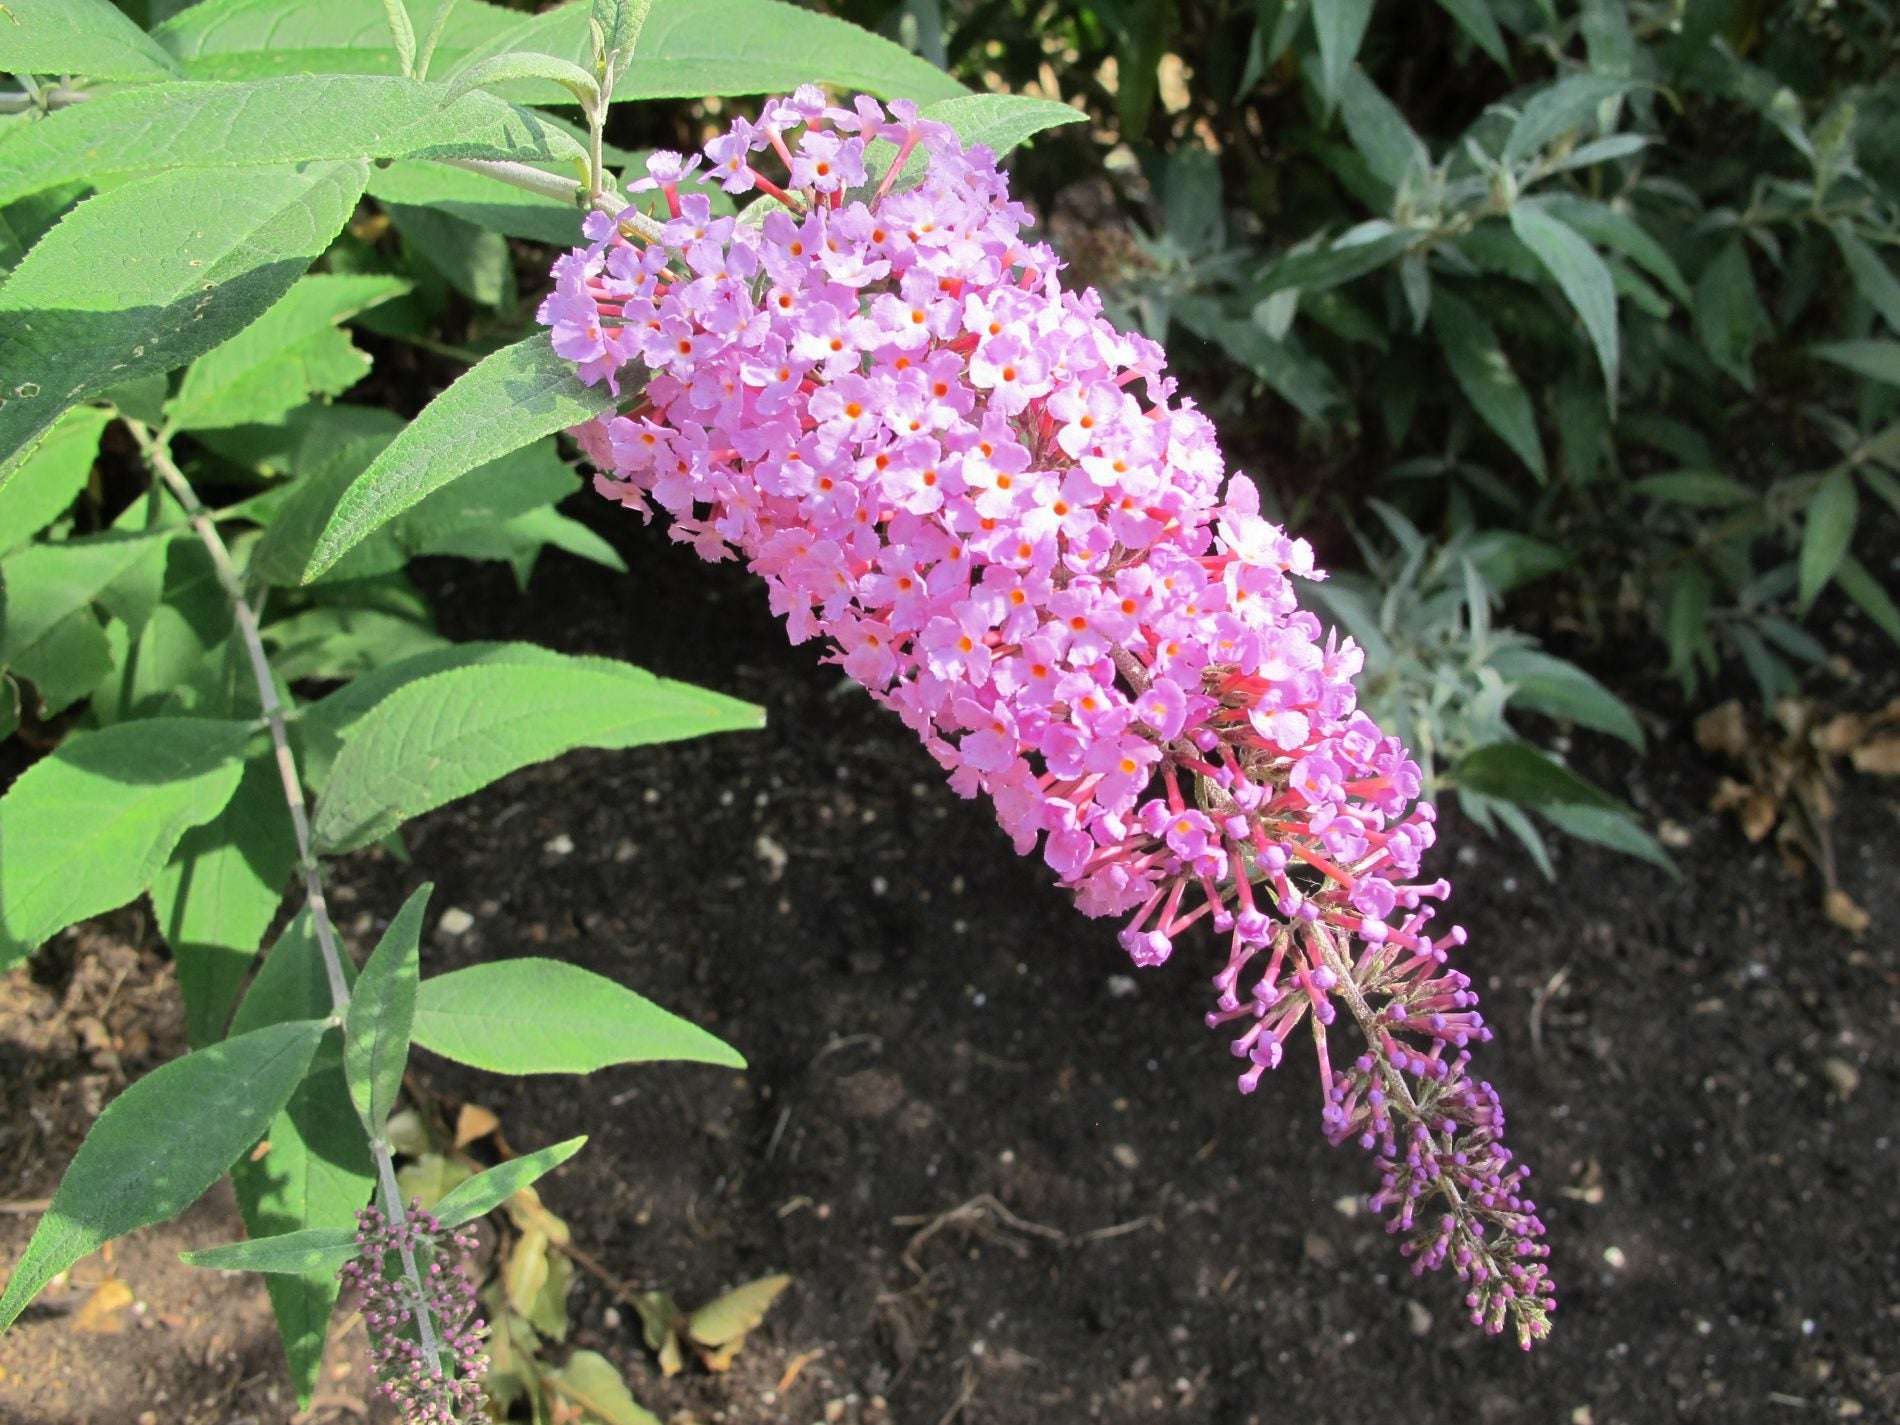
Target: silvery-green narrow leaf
{"x": 403, "y": 33}
{"x": 1387, "y": 143}
{"x": 1865, "y": 590}
{"x": 1474, "y": 17}
{"x": 1609, "y": 227}
{"x": 88, "y": 827}
{"x": 1728, "y": 312}
{"x": 1686, "y": 621}
{"x": 1484, "y": 374}
{"x": 382, "y": 1013}
{"x": 1871, "y": 275}
{"x": 1559, "y": 689}
{"x": 86, "y": 310}
{"x": 83, "y": 37}
{"x": 477, "y": 1196}
{"x": 314, "y": 1249}
{"x": 1616, "y": 829}
{"x": 159, "y": 1145}
{"x": 1827, "y": 531}
{"x": 1341, "y": 28}
{"x": 1564, "y": 107}
{"x": 1582, "y": 276}
{"x": 1518, "y": 772}
{"x": 538, "y": 1016}
{"x": 1878, "y": 360}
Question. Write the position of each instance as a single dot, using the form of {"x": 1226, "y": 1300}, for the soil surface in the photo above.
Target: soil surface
{"x": 1011, "y": 1178}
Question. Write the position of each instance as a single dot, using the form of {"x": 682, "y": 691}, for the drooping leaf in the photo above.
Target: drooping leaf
{"x": 1617, "y": 830}
{"x": 482, "y": 1194}
{"x": 1329, "y": 265}
{"x": 1518, "y": 772}
{"x": 1580, "y": 274}
{"x": 1871, "y": 275}
{"x": 382, "y": 1013}
{"x": 316, "y": 1170}
{"x": 79, "y": 37}
{"x": 1611, "y": 228}
{"x": 155, "y": 128}
{"x": 1552, "y": 686}
{"x": 1484, "y": 374}
{"x": 1341, "y": 27}
{"x": 89, "y": 826}
{"x": 50, "y": 479}
{"x": 159, "y": 1145}
{"x": 1879, "y": 360}
{"x": 1865, "y": 590}
{"x": 518, "y": 395}
{"x": 449, "y": 734}
{"x": 1827, "y": 531}
{"x": 314, "y": 1249}
{"x": 88, "y": 310}
{"x": 538, "y": 1016}
{"x": 1475, "y": 19}
{"x": 218, "y": 893}
{"x": 292, "y": 352}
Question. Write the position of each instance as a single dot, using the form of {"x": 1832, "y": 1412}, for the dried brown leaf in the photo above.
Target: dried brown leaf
{"x": 473, "y": 1122}
{"x": 1842, "y": 910}
{"x": 1881, "y": 757}
{"x": 1723, "y": 729}
{"x": 102, "y": 1312}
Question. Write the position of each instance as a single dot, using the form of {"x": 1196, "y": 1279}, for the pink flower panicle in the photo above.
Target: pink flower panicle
{"x": 989, "y": 504}
{"x": 440, "y": 1392}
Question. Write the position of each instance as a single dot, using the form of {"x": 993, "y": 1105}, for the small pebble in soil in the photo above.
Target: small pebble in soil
{"x": 1122, "y": 986}
{"x": 1418, "y": 1319}
{"x": 455, "y": 921}
{"x": 562, "y": 845}
{"x": 1125, "y": 1155}
{"x": 1614, "y": 1256}
{"x": 1842, "y": 1076}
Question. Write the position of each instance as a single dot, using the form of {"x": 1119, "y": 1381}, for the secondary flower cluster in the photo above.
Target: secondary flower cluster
{"x": 988, "y": 503}
{"x": 444, "y": 1391}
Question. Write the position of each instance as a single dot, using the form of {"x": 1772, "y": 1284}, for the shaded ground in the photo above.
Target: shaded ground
{"x": 1703, "y": 1073}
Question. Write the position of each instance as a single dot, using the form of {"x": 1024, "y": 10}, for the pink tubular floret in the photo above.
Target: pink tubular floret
{"x": 988, "y": 503}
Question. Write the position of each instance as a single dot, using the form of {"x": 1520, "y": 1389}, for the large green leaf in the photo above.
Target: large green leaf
{"x": 1484, "y": 374}
{"x": 1000, "y": 122}
{"x": 1518, "y": 772}
{"x": 45, "y": 584}
{"x": 535, "y": 1016}
{"x": 1550, "y": 685}
{"x": 217, "y": 895}
{"x": 516, "y": 395}
{"x": 316, "y": 1170}
{"x": 261, "y": 39}
{"x": 159, "y": 1145}
{"x": 298, "y": 118}
{"x": 50, "y": 479}
{"x": 88, "y": 827}
{"x": 1580, "y": 273}
{"x": 292, "y": 352}
{"x": 1341, "y": 27}
{"x": 1827, "y": 531}
{"x": 85, "y": 37}
{"x": 474, "y": 1197}
{"x": 449, "y": 734}
{"x": 151, "y": 274}
{"x": 382, "y": 1013}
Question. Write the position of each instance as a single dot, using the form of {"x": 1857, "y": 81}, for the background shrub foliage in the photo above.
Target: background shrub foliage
{"x": 1583, "y": 307}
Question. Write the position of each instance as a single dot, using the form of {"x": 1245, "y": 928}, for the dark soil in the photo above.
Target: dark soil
{"x": 1704, "y": 1074}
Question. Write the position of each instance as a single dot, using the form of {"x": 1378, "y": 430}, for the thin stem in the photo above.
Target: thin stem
{"x": 55, "y": 96}
{"x": 566, "y": 190}
{"x": 158, "y": 460}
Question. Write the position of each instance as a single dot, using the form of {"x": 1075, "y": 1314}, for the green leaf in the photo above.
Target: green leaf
{"x": 471, "y": 259}
{"x": 382, "y": 1013}
{"x": 155, "y": 128}
{"x": 246, "y": 39}
{"x": 314, "y": 1249}
{"x": 1337, "y": 262}
{"x": 316, "y": 1170}
{"x": 1686, "y": 621}
{"x": 88, "y": 310}
{"x": 1550, "y": 685}
{"x": 478, "y": 199}
{"x": 1475, "y": 19}
{"x": 690, "y": 49}
{"x": 1728, "y": 312}
{"x": 1582, "y": 276}
{"x": 50, "y": 479}
{"x": 1698, "y": 489}
{"x": 89, "y": 826}
{"x": 1564, "y": 107}
{"x": 403, "y": 32}
{"x": 449, "y": 734}
{"x": 46, "y": 584}
{"x": 1341, "y": 28}
{"x": 1871, "y": 275}
{"x": 1484, "y": 374}
{"x": 292, "y": 352}
{"x": 621, "y": 22}
{"x": 339, "y": 641}
{"x": 536, "y": 1016}
{"x": 1865, "y": 590}
{"x": 1879, "y": 360}
{"x": 159, "y": 1145}
{"x": 515, "y": 396}
{"x": 80, "y": 37}
{"x": 590, "y": 1381}
{"x": 1379, "y": 131}
{"x": 1826, "y": 533}
{"x": 482, "y": 1194}
{"x": 1617, "y": 830}
{"x": 1518, "y": 772}
{"x": 999, "y": 122}
{"x": 218, "y": 893}
{"x": 1608, "y": 227}
{"x": 524, "y": 64}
